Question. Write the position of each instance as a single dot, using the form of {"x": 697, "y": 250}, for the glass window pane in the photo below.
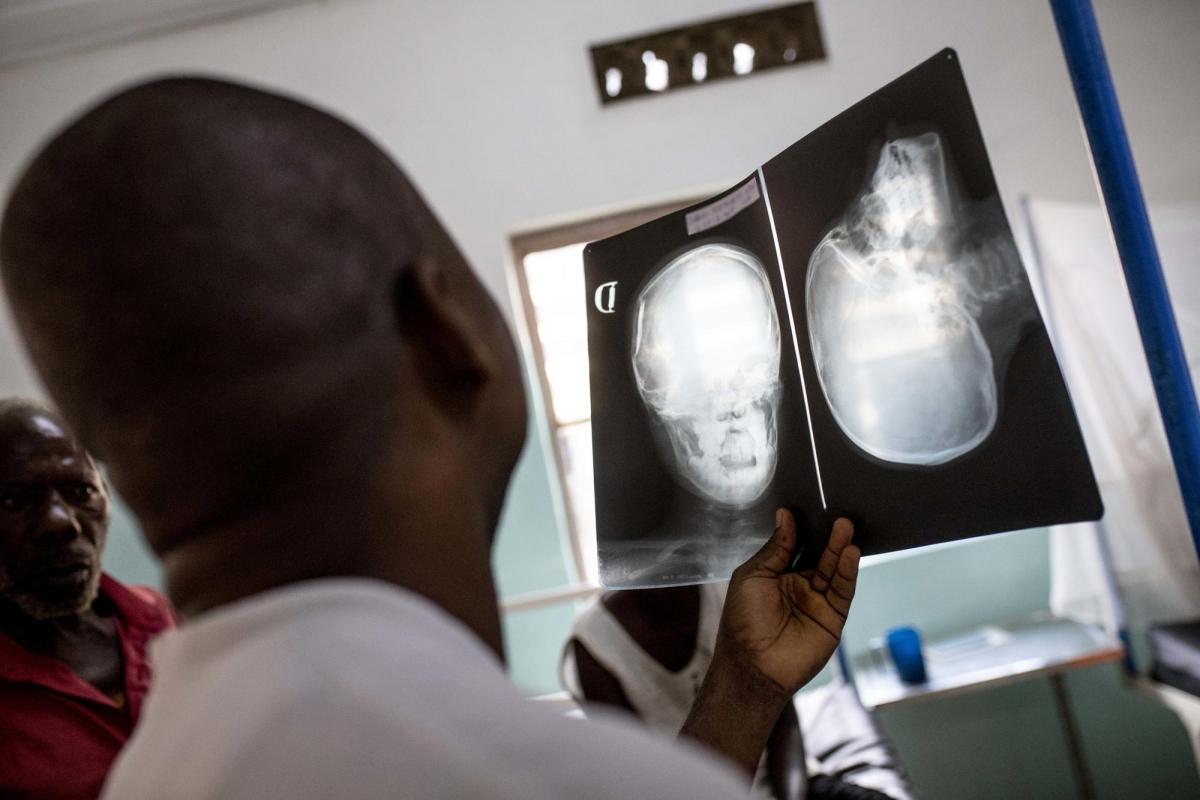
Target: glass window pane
{"x": 126, "y": 556}
{"x": 533, "y": 641}
{"x": 575, "y": 445}
{"x": 556, "y": 288}
{"x": 530, "y": 553}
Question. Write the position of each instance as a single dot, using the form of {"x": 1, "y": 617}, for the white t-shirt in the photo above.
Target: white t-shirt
{"x": 662, "y": 698}
{"x": 358, "y": 689}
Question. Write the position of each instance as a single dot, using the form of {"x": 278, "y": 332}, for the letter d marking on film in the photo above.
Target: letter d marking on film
{"x": 606, "y": 297}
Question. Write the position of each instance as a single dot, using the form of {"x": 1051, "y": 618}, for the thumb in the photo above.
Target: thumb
{"x": 775, "y": 555}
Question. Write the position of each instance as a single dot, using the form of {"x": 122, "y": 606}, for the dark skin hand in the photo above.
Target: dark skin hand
{"x": 54, "y": 513}
{"x": 778, "y": 629}
{"x": 664, "y": 622}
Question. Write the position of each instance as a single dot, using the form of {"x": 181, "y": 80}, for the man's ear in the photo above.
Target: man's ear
{"x": 450, "y": 351}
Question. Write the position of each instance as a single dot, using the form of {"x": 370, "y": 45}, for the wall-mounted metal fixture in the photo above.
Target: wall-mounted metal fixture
{"x": 729, "y": 47}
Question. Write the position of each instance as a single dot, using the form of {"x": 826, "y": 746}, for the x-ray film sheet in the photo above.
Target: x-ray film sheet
{"x": 848, "y": 331}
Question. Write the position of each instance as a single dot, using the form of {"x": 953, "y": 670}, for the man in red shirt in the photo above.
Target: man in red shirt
{"x": 73, "y": 641}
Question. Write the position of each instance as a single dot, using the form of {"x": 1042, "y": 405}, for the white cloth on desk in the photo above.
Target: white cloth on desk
{"x": 359, "y": 689}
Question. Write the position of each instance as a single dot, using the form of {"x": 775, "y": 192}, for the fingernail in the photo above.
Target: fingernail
{"x": 779, "y": 518}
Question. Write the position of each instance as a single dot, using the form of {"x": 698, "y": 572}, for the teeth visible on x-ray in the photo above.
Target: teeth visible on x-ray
{"x": 894, "y": 292}
{"x": 706, "y": 361}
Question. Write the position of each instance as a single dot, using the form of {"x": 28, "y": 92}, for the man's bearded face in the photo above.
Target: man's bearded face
{"x": 54, "y": 513}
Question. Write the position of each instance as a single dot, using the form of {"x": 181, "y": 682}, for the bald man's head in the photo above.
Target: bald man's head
{"x": 219, "y": 284}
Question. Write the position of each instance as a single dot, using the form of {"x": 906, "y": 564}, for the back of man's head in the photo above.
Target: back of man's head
{"x": 217, "y": 286}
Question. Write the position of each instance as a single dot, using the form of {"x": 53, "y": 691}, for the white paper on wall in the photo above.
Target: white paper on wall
{"x": 1091, "y": 320}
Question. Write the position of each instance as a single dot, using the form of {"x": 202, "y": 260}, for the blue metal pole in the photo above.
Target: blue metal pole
{"x": 1126, "y": 209}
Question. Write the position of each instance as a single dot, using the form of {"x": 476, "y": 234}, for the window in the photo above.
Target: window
{"x": 549, "y": 280}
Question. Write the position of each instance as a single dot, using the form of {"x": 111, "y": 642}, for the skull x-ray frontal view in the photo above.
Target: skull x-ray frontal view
{"x": 849, "y": 331}
{"x": 706, "y": 362}
{"x": 893, "y": 294}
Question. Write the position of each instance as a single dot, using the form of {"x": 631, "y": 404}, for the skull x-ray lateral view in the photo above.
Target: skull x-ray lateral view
{"x": 848, "y": 331}
{"x": 706, "y": 361}
{"x": 893, "y": 293}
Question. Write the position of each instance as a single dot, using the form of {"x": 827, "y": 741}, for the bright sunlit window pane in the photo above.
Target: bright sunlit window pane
{"x": 555, "y": 280}
{"x": 575, "y": 444}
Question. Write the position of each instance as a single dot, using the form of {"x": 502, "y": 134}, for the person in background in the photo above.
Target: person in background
{"x": 314, "y": 407}
{"x": 646, "y": 650}
{"x": 73, "y": 667}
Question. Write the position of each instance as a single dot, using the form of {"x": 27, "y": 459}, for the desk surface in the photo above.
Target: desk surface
{"x": 990, "y": 655}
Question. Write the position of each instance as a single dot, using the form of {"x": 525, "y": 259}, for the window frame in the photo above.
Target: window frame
{"x": 521, "y": 244}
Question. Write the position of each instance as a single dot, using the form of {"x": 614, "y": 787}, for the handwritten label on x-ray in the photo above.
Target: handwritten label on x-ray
{"x": 727, "y": 207}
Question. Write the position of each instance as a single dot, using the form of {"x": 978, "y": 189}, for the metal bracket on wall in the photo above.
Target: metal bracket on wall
{"x": 729, "y": 47}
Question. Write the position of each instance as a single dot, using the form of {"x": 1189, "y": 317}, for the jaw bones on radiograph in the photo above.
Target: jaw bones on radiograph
{"x": 706, "y": 360}
{"x": 893, "y": 294}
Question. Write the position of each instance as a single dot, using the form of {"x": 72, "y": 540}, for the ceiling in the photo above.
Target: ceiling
{"x": 32, "y": 29}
